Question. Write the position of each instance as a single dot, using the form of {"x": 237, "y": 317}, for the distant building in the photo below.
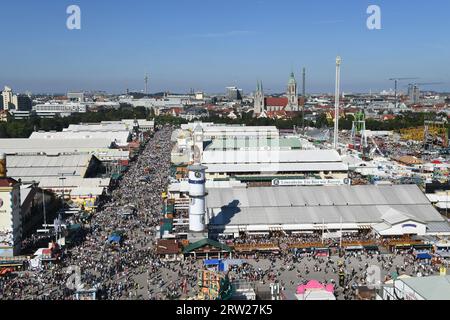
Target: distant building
{"x": 199, "y": 96}
{"x": 233, "y": 93}
{"x": 75, "y": 96}
{"x": 21, "y": 115}
{"x": 8, "y": 98}
{"x": 50, "y": 110}
{"x": 414, "y": 93}
{"x": 159, "y": 103}
{"x": 23, "y": 102}
{"x": 290, "y": 103}
{"x": 145, "y": 125}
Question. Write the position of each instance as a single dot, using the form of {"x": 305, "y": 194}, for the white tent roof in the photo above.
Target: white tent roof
{"x": 393, "y": 216}
{"x": 316, "y": 295}
{"x": 315, "y": 205}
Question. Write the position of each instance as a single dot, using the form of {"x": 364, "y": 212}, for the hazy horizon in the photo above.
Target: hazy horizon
{"x": 209, "y": 45}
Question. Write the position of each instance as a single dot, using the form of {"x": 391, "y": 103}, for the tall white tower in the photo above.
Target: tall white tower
{"x": 8, "y": 99}
{"x": 337, "y": 102}
{"x": 197, "y": 194}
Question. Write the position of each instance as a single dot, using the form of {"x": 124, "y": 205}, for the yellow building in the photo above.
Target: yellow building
{"x": 86, "y": 197}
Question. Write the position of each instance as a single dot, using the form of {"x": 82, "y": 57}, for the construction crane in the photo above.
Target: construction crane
{"x": 424, "y": 84}
{"x": 396, "y": 80}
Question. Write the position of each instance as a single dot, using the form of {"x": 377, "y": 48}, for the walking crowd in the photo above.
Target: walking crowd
{"x": 127, "y": 270}
{"x": 292, "y": 270}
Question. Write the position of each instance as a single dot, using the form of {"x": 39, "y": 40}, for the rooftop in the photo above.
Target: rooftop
{"x": 33, "y": 168}
{"x": 315, "y": 205}
{"x": 230, "y": 144}
{"x": 430, "y": 288}
{"x": 52, "y": 146}
{"x": 270, "y": 156}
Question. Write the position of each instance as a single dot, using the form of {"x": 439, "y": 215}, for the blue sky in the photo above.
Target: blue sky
{"x": 210, "y": 44}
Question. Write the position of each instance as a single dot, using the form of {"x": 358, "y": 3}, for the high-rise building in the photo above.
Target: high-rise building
{"x": 233, "y": 93}
{"x": 414, "y": 93}
{"x": 8, "y": 99}
{"x": 23, "y": 102}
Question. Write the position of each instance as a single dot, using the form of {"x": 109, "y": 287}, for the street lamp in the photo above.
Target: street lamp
{"x": 446, "y": 206}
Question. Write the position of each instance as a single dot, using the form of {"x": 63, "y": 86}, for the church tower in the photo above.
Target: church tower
{"x": 259, "y": 99}
{"x": 292, "y": 94}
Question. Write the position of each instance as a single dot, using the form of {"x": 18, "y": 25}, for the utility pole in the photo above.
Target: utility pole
{"x": 396, "y": 94}
{"x": 446, "y": 206}
{"x": 337, "y": 102}
{"x": 45, "y": 215}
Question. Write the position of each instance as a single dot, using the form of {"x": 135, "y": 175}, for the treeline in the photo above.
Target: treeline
{"x": 24, "y": 128}
{"x": 402, "y": 121}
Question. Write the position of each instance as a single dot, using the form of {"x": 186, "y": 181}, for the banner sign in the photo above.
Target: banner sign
{"x": 310, "y": 182}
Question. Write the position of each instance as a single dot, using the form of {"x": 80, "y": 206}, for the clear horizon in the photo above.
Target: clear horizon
{"x": 209, "y": 45}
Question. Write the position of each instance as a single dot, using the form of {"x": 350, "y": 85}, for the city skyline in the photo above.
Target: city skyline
{"x": 210, "y": 45}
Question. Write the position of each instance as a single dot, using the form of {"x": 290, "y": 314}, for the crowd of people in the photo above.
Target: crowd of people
{"x": 126, "y": 270}
{"x": 293, "y": 270}
{"x": 131, "y": 268}
{"x": 283, "y": 239}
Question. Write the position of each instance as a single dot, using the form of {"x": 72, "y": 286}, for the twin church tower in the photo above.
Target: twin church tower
{"x": 288, "y": 103}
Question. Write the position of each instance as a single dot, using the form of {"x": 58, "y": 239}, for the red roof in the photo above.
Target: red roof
{"x": 176, "y": 110}
{"x": 276, "y": 113}
{"x": 276, "y": 102}
{"x": 168, "y": 247}
{"x": 389, "y": 117}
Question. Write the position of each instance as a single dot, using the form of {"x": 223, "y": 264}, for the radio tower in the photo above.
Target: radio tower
{"x": 337, "y": 102}
{"x": 146, "y": 84}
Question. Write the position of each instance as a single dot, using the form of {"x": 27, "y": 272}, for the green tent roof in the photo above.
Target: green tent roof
{"x": 167, "y": 225}
{"x": 204, "y": 242}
